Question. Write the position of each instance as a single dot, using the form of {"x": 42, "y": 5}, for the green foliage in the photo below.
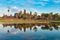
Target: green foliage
{"x": 35, "y": 13}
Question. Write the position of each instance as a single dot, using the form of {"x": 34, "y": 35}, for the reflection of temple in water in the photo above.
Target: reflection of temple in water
{"x": 20, "y": 26}
{"x": 32, "y": 27}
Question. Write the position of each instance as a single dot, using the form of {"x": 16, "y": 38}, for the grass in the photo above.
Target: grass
{"x": 17, "y": 20}
{"x": 22, "y": 20}
{"x": 26, "y": 21}
{"x": 54, "y": 20}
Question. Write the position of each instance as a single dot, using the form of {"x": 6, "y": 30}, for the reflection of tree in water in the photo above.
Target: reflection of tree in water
{"x": 35, "y": 29}
{"x": 47, "y": 27}
{"x": 55, "y": 26}
{"x": 16, "y": 26}
{"x": 38, "y": 25}
{"x": 8, "y": 31}
{"x": 25, "y": 26}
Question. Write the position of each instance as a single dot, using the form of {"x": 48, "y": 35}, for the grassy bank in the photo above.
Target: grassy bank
{"x": 26, "y": 21}
{"x": 23, "y": 21}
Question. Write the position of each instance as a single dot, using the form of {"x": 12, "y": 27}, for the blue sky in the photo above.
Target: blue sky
{"x": 30, "y": 5}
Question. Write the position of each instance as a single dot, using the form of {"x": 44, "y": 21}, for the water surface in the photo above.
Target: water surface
{"x": 29, "y": 32}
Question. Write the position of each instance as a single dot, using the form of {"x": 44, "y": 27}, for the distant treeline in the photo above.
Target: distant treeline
{"x": 35, "y": 16}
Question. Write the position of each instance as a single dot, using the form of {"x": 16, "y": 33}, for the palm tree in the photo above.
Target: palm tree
{"x": 35, "y": 29}
{"x": 8, "y": 10}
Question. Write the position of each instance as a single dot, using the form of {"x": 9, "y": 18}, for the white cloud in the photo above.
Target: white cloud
{"x": 45, "y": 0}
{"x": 14, "y": 7}
{"x": 14, "y": 31}
{"x": 0, "y": 4}
{"x": 42, "y": 3}
{"x": 57, "y": 1}
{"x": 4, "y": 10}
{"x": 33, "y": 10}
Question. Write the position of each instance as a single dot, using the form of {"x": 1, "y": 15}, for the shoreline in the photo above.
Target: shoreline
{"x": 21, "y": 21}
{"x": 24, "y": 23}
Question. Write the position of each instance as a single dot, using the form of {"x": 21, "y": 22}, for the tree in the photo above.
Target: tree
{"x": 8, "y": 10}
{"x": 35, "y": 29}
{"x": 44, "y": 15}
{"x": 55, "y": 16}
{"x": 59, "y": 17}
{"x": 50, "y": 16}
{"x": 30, "y": 13}
{"x": 35, "y": 13}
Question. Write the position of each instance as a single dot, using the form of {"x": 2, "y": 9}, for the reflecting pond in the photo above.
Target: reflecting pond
{"x": 30, "y": 31}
